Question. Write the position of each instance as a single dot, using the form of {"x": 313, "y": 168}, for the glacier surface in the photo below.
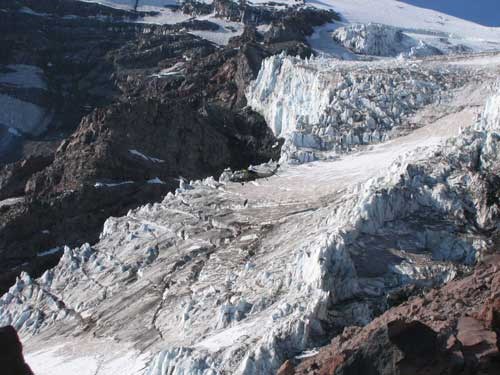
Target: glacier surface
{"x": 228, "y": 278}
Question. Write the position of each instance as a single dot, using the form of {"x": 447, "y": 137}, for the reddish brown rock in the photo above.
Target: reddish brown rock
{"x": 410, "y": 340}
{"x": 286, "y": 369}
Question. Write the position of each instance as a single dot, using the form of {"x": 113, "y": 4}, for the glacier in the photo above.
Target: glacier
{"x": 223, "y": 277}
{"x": 322, "y": 105}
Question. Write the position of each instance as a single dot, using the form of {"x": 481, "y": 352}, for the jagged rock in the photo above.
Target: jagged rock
{"x": 152, "y": 82}
{"x": 11, "y": 353}
{"x": 423, "y": 336}
{"x": 13, "y": 177}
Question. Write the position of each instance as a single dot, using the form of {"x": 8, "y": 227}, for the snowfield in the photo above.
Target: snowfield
{"x": 426, "y": 25}
{"x": 236, "y": 278}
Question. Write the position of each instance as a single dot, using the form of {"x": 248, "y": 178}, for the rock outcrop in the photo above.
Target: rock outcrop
{"x": 452, "y": 330}
{"x": 11, "y": 353}
{"x": 134, "y": 109}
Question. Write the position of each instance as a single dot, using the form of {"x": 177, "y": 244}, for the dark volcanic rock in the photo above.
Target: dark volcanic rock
{"x": 296, "y": 25}
{"x": 11, "y": 353}
{"x": 13, "y": 177}
{"x": 144, "y": 139}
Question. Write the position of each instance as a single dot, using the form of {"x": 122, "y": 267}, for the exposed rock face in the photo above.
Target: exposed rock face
{"x": 11, "y": 353}
{"x": 452, "y": 330}
{"x": 137, "y": 106}
{"x": 381, "y": 40}
{"x": 297, "y": 18}
{"x": 13, "y": 177}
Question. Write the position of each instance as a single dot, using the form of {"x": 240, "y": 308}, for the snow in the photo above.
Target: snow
{"x": 156, "y": 180}
{"x": 236, "y": 278}
{"x": 406, "y": 16}
{"x": 112, "y": 184}
{"x": 148, "y": 158}
{"x": 165, "y": 17}
{"x": 227, "y": 30}
{"x": 25, "y": 76}
{"x": 192, "y": 307}
{"x": 45, "y": 363}
{"x": 427, "y": 25}
{"x": 30, "y": 11}
{"x": 14, "y": 132}
{"x": 226, "y": 338}
{"x": 144, "y": 5}
{"x": 11, "y": 201}
{"x": 322, "y": 42}
{"x": 55, "y": 250}
{"x": 71, "y": 358}
{"x": 307, "y": 354}
{"x": 24, "y": 116}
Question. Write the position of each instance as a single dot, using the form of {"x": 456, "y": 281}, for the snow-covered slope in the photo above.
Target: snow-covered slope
{"x": 426, "y": 25}
{"x": 231, "y": 278}
{"x": 429, "y": 29}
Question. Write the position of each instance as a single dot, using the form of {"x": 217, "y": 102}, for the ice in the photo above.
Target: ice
{"x": 230, "y": 277}
{"x": 23, "y": 116}
{"x": 202, "y": 283}
{"x": 326, "y": 105}
{"x": 381, "y": 40}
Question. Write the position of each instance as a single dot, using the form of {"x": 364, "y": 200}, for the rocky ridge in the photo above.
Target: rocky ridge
{"x": 451, "y": 330}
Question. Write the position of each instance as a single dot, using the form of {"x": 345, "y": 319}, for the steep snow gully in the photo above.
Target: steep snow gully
{"x": 225, "y": 278}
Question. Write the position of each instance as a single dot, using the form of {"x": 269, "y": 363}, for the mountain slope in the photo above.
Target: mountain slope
{"x": 387, "y": 182}
{"x": 228, "y": 278}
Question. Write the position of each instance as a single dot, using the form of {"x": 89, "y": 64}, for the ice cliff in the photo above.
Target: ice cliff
{"x": 330, "y": 105}
{"x": 381, "y": 40}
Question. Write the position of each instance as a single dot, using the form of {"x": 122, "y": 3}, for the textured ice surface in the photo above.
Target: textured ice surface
{"x": 331, "y": 105}
{"x": 225, "y": 278}
{"x": 381, "y": 40}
